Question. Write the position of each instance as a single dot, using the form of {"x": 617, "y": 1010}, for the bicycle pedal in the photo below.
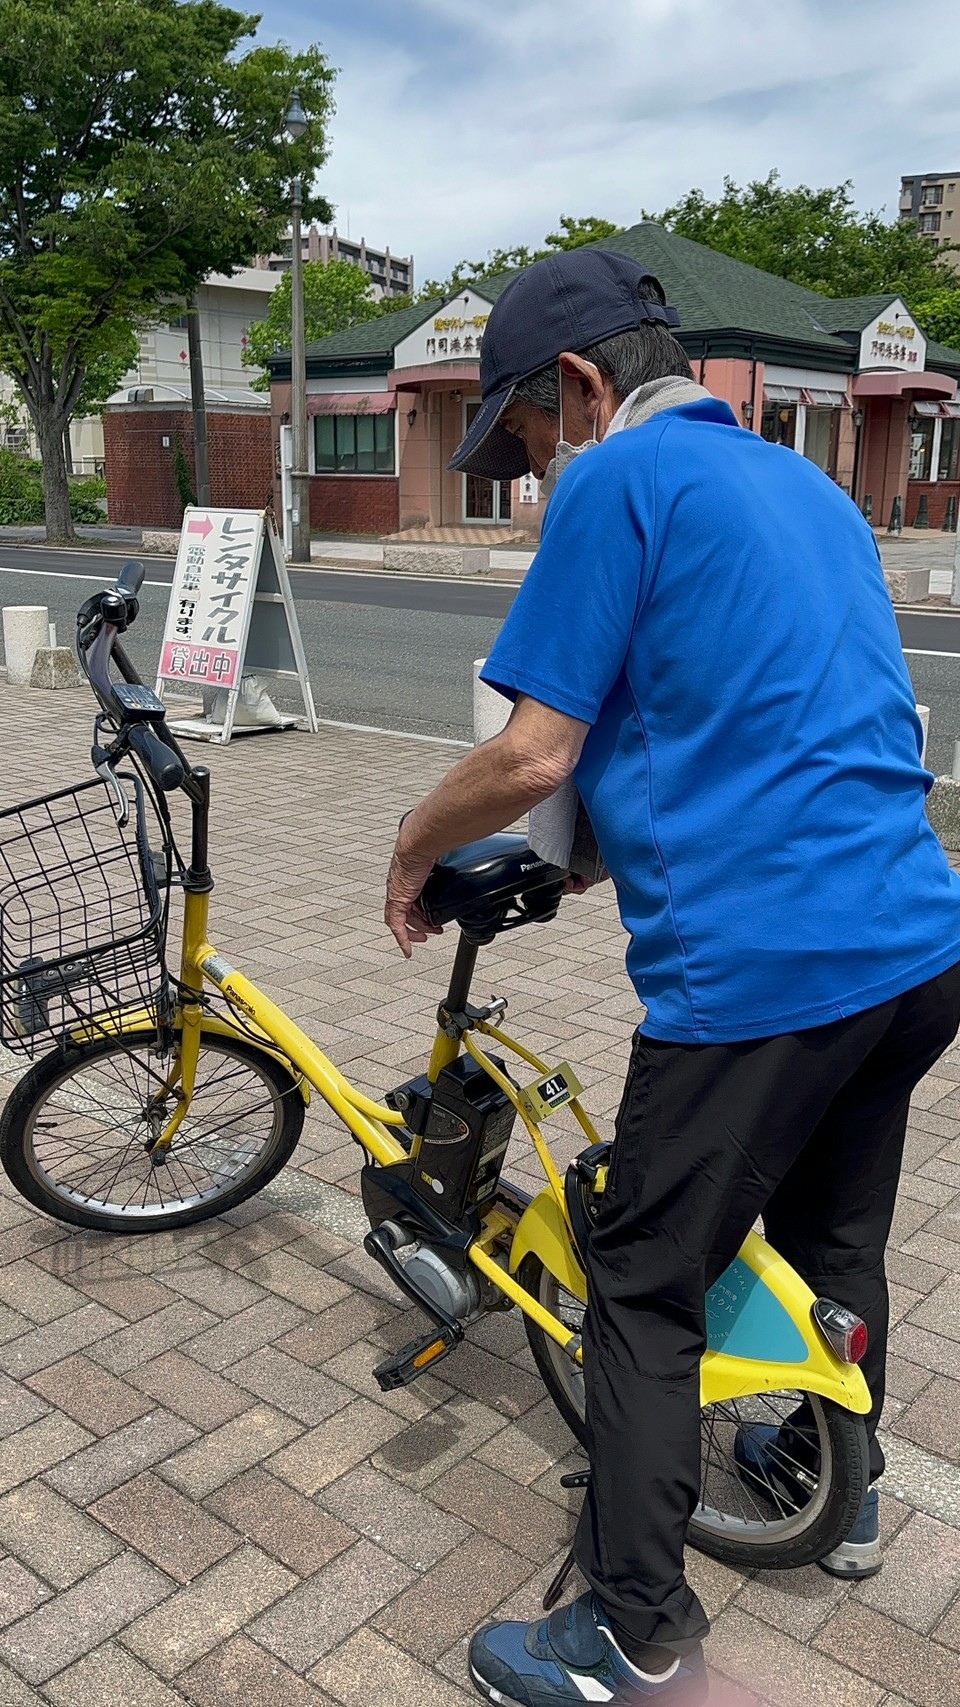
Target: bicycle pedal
{"x": 414, "y": 1359}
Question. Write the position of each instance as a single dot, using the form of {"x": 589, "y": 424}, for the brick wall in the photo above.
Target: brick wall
{"x": 355, "y": 503}
{"x": 141, "y": 472}
{"x": 936, "y": 492}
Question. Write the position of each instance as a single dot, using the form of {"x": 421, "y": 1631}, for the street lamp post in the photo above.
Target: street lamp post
{"x": 295, "y": 123}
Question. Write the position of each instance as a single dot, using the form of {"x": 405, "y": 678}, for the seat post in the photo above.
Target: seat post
{"x": 461, "y": 976}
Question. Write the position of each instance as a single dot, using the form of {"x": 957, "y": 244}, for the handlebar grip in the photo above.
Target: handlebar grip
{"x": 164, "y": 766}
{"x": 130, "y": 578}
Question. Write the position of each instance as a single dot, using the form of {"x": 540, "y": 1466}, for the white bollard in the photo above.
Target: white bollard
{"x": 923, "y": 712}
{"x": 25, "y": 629}
{"x": 490, "y": 710}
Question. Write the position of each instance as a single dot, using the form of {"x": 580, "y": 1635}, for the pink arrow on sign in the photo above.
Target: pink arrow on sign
{"x": 203, "y": 526}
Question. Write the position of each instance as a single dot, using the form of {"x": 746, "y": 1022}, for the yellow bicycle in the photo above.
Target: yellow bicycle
{"x": 159, "y": 1098}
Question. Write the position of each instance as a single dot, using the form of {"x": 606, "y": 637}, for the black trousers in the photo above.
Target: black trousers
{"x": 806, "y": 1129}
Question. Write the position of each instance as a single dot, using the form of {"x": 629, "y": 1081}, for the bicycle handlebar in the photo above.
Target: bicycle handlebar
{"x": 104, "y": 617}
{"x": 164, "y": 766}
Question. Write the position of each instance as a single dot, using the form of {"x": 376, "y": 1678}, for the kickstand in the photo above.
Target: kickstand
{"x": 578, "y": 1479}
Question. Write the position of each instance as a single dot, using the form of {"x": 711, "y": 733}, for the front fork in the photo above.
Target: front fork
{"x": 197, "y": 885}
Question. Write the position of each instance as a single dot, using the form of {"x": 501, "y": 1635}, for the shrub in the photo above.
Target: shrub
{"x": 21, "y": 494}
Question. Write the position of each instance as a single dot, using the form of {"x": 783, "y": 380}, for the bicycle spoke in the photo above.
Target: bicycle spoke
{"x": 91, "y": 1137}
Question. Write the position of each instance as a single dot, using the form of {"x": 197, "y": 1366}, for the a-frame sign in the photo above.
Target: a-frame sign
{"x": 231, "y": 611}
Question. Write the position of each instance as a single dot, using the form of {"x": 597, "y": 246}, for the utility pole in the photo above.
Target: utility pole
{"x": 198, "y": 402}
{"x": 296, "y": 124}
{"x": 300, "y": 543}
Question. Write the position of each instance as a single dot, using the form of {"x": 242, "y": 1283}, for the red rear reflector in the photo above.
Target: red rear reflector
{"x": 845, "y": 1333}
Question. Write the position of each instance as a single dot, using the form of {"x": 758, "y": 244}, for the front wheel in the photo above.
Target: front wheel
{"x": 76, "y": 1132}
{"x": 733, "y": 1520}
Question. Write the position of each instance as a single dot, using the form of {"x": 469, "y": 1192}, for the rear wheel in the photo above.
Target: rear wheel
{"x": 76, "y": 1132}
{"x": 734, "y": 1520}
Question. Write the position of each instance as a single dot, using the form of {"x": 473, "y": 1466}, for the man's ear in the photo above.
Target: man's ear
{"x": 588, "y": 379}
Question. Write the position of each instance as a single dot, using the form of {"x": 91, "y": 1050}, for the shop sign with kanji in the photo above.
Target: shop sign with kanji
{"x": 213, "y": 586}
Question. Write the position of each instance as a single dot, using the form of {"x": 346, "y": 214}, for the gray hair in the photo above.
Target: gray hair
{"x": 627, "y": 360}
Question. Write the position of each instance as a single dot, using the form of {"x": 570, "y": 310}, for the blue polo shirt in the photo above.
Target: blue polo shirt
{"x": 714, "y": 608}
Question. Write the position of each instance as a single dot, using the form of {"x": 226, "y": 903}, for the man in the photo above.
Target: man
{"x": 705, "y": 641}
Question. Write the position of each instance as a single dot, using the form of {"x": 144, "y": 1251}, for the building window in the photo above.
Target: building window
{"x": 931, "y": 195}
{"x": 947, "y": 465}
{"x": 779, "y": 424}
{"x": 929, "y": 222}
{"x": 354, "y": 444}
{"x": 181, "y": 324}
{"x": 921, "y": 450}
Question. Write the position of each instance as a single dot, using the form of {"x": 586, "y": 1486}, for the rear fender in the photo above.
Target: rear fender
{"x": 761, "y": 1336}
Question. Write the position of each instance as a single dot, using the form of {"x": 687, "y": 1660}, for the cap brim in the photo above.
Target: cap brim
{"x": 488, "y": 449}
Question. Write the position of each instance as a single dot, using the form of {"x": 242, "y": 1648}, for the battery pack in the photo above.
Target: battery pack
{"x": 459, "y": 1152}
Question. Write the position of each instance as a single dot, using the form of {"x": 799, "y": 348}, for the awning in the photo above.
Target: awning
{"x": 896, "y": 382}
{"x": 821, "y": 398}
{"x": 351, "y": 402}
{"x": 945, "y": 411}
{"x": 781, "y": 394}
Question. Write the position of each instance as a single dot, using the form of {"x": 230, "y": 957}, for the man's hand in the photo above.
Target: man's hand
{"x": 490, "y": 788}
{"x": 405, "y": 879}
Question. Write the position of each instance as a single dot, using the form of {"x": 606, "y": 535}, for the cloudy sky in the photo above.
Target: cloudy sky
{"x": 467, "y": 124}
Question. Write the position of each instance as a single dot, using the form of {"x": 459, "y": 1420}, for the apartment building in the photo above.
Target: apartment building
{"x": 390, "y": 275}
{"x": 933, "y": 200}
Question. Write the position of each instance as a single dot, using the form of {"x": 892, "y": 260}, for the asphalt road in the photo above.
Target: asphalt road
{"x": 397, "y": 653}
{"x": 383, "y": 650}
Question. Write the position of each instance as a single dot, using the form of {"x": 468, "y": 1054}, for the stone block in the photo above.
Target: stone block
{"x": 54, "y": 667}
{"x": 160, "y": 542}
{"x": 424, "y": 559}
{"x": 25, "y": 629}
{"x": 943, "y": 811}
{"x": 905, "y": 586}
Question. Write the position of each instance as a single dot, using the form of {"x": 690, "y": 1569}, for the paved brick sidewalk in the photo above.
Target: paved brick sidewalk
{"x": 203, "y": 1497}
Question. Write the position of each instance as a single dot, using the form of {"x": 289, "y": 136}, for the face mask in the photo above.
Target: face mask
{"x": 564, "y": 454}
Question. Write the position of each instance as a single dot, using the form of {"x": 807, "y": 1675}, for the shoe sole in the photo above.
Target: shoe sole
{"x": 492, "y": 1694}
{"x": 698, "y": 1696}
{"x": 853, "y": 1561}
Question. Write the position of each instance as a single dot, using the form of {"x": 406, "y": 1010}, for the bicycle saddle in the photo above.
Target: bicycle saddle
{"x": 491, "y": 886}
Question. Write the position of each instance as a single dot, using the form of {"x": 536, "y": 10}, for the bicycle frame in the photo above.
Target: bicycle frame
{"x": 761, "y": 1335}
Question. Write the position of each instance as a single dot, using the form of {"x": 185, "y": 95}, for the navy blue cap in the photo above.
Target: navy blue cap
{"x": 569, "y": 301}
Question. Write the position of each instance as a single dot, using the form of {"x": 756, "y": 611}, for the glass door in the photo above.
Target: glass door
{"x": 483, "y": 500}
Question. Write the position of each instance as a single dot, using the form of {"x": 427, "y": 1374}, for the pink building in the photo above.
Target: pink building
{"x": 851, "y": 384}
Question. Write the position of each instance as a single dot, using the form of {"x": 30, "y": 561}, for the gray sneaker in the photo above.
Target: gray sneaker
{"x": 860, "y": 1555}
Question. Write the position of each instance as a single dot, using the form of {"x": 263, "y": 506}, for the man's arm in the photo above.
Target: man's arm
{"x": 489, "y": 789}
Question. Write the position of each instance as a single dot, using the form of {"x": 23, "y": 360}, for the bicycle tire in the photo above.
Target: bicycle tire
{"x": 784, "y": 1542}
{"x": 26, "y": 1146}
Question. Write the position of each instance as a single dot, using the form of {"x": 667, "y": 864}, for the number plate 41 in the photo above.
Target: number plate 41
{"x": 548, "y": 1094}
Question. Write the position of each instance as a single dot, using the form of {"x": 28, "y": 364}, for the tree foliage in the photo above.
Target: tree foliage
{"x": 335, "y": 296}
{"x": 815, "y": 238}
{"x": 573, "y": 234}
{"x": 140, "y": 149}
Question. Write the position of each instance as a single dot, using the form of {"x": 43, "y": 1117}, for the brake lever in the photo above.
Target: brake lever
{"x": 101, "y": 764}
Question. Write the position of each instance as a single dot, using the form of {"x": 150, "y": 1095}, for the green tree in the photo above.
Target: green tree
{"x": 140, "y": 149}
{"x": 573, "y": 234}
{"x": 815, "y": 238}
{"x": 938, "y": 312}
{"x": 335, "y": 296}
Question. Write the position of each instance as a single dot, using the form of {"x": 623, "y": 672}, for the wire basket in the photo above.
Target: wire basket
{"x": 82, "y": 917}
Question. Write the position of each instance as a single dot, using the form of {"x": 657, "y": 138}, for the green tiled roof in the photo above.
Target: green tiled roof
{"x": 374, "y": 337}
{"x": 943, "y": 360}
{"x": 713, "y": 292}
